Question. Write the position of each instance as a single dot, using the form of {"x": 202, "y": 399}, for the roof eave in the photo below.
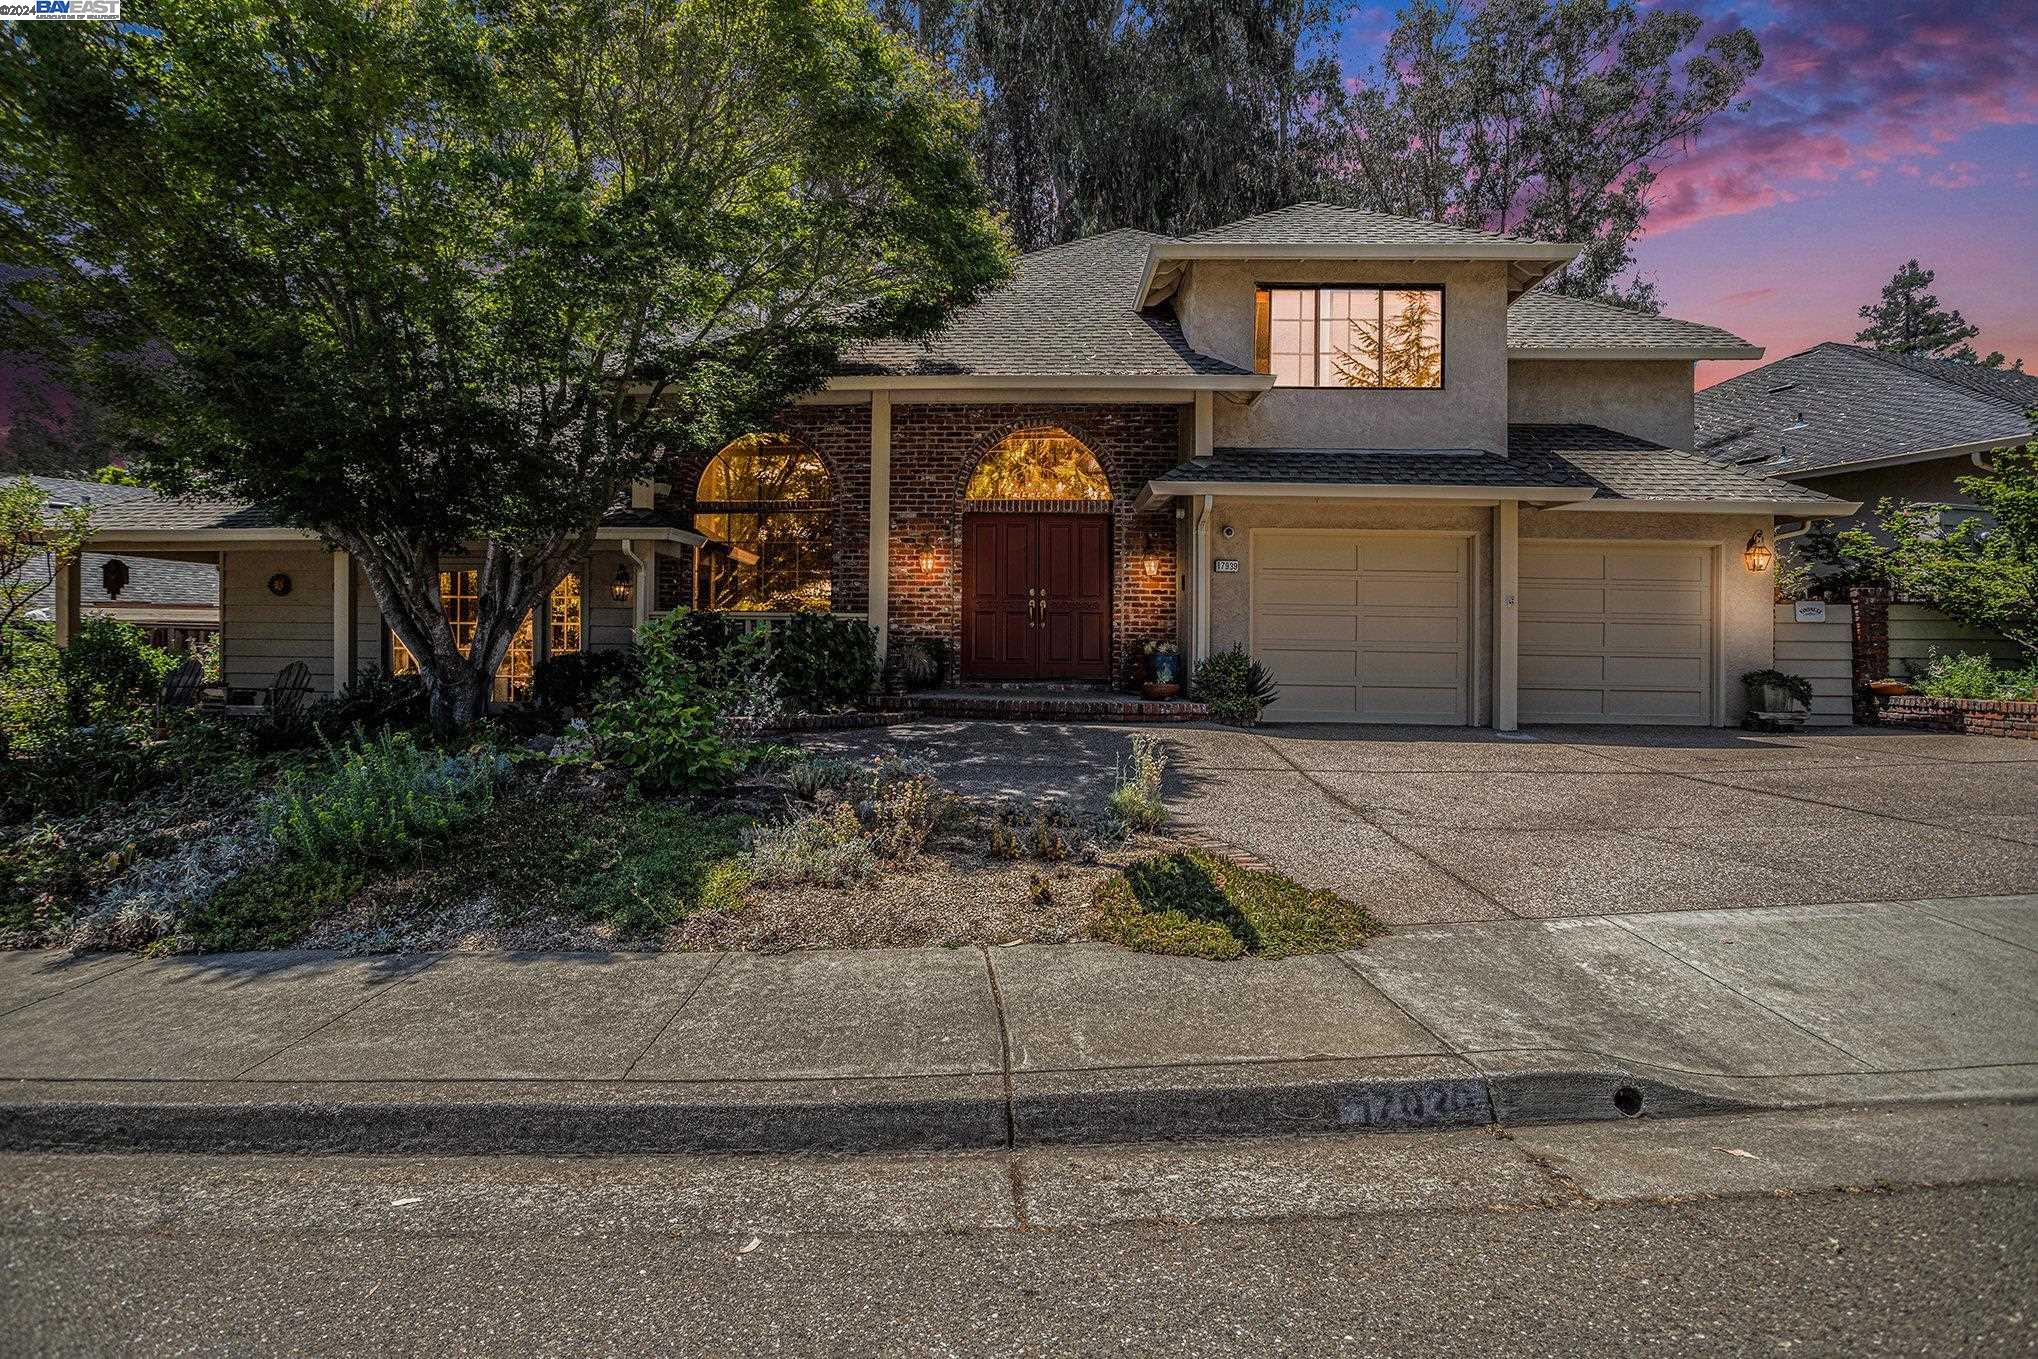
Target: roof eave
{"x": 1693, "y": 352}
{"x": 1543, "y": 257}
{"x": 1161, "y": 487}
{"x": 1817, "y": 509}
{"x": 1904, "y": 459}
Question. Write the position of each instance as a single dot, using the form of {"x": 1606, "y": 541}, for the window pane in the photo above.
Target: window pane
{"x": 1413, "y": 349}
{"x": 1350, "y": 353}
{"x": 1038, "y": 467}
{"x": 563, "y": 616}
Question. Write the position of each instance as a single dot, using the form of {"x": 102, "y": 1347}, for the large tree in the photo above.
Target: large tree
{"x": 1546, "y": 118}
{"x": 1909, "y": 320}
{"x": 1983, "y": 572}
{"x": 1168, "y": 115}
{"x": 421, "y": 275}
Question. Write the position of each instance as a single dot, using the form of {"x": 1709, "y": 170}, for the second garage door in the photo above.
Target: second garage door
{"x": 1359, "y": 627}
{"x": 1616, "y": 634}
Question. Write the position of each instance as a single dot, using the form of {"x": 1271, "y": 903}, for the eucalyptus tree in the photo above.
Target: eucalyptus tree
{"x": 425, "y": 276}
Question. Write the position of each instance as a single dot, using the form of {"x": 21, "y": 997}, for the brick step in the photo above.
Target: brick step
{"x": 1050, "y": 706}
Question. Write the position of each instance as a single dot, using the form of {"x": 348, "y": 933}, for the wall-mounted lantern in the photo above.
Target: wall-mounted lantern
{"x": 619, "y": 588}
{"x": 1756, "y": 556}
{"x": 927, "y": 560}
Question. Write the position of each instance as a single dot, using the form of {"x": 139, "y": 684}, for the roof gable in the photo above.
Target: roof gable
{"x": 1543, "y": 324}
{"x": 1317, "y": 223}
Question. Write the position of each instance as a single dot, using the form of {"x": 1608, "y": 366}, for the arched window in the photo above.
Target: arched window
{"x": 1039, "y": 465}
{"x": 766, "y": 505}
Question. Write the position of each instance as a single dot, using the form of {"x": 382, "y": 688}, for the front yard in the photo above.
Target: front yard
{"x": 646, "y": 808}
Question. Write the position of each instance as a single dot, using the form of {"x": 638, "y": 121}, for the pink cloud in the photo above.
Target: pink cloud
{"x": 1746, "y": 296}
{"x": 1959, "y": 174}
{"x": 1847, "y": 95}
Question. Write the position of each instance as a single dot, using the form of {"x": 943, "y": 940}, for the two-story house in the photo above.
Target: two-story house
{"x": 1366, "y": 448}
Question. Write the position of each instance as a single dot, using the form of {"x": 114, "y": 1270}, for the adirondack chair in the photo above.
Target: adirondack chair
{"x": 182, "y": 688}
{"x": 291, "y": 691}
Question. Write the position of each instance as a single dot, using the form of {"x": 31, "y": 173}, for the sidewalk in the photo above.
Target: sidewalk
{"x": 1515, "y": 1022}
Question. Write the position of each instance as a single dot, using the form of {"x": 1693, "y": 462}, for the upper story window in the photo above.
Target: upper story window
{"x": 1351, "y": 337}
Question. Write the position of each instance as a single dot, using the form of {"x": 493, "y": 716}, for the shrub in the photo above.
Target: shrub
{"x": 381, "y": 801}
{"x": 920, "y": 662}
{"x": 666, "y": 736}
{"x": 1236, "y": 687}
{"x": 374, "y": 699}
{"x": 811, "y": 777}
{"x": 824, "y": 661}
{"x": 80, "y": 768}
{"x": 1797, "y": 686}
{"x": 270, "y": 906}
{"x": 902, "y": 816}
{"x": 1136, "y": 801}
{"x": 573, "y": 681}
{"x": 1976, "y": 676}
{"x": 109, "y": 669}
{"x": 824, "y": 848}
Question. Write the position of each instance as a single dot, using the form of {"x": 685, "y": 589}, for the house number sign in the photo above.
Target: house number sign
{"x": 1226, "y": 564}
{"x": 1808, "y": 611}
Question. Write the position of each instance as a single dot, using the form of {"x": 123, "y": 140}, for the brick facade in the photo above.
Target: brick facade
{"x": 1974, "y": 716}
{"x": 935, "y": 447}
{"x": 1871, "y": 647}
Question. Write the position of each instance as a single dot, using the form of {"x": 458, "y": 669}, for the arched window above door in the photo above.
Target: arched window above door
{"x": 1039, "y": 465}
{"x": 766, "y": 504}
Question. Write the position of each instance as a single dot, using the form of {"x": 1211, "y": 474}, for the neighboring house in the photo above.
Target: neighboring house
{"x": 1863, "y": 425}
{"x": 1363, "y": 447}
{"x": 175, "y": 602}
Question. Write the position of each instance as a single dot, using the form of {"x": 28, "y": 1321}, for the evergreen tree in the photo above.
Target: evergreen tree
{"x": 1909, "y": 320}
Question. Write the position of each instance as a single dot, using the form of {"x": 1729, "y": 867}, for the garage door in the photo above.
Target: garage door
{"x": 1361, "y": 627}
{"x": 1616, "y": 634}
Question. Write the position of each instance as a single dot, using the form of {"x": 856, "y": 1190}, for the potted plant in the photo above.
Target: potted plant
{"x": 1776, "y": 699}
{"x": 1889, "y": 688}
{"x": 1164, "y": 670}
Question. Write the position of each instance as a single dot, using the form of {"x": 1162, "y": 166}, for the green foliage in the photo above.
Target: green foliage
{"x": 1797, "y": 686}
{"x": 30, "y": 527}
{"x": 416, "y": 244}
{"x": 1199, "y": 906}
{"x": 1236, "y": 687}
{"x": 563, "y": 684}
{"x": 109, "y": 669}
{"x": 1137, "y": 801}
{"x": 665, "y": 734}
{"x": 826, "y": 848}
{"x": 920, "y": 662}
{"x": 1985, "y": 571}
{"x": 824, "y": 661}
{"x": 373, "y": 700}
{"x": 270, "y": 906}
{"x": 811, "y": 777}
{"x": 381, "y": 801}
{"x": 1976, "y": 676}
{"x": 902, "y": 815}
{"x": 1909, "y": 320}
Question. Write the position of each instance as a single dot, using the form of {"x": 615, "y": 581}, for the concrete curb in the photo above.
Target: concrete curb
{"x": 971, "y": 1112}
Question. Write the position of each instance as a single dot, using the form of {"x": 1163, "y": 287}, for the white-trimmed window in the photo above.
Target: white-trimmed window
{"x": 1325, "y": 336}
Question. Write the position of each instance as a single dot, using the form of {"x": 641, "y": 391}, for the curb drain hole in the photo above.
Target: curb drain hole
{"x": 1628, "y": 1100}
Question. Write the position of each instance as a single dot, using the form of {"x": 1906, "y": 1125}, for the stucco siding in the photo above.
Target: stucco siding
{"x": 1468, "y": 411}
{"x": 260, "y": 633}
{"x": 1933, "y": 483}
{"x": 1647, "y": 398}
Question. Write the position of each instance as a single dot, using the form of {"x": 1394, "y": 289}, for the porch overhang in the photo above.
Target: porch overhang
{"x": 1824, "y": 508}
{"x": 1162, "y": 487}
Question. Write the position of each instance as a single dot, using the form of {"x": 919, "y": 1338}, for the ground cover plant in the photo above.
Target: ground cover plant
{"x": 1191, "y": 903}
{"x": 1978, "y": 676}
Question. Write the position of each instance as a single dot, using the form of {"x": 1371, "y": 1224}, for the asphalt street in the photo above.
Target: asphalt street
{"x": 1901, "y": 1230}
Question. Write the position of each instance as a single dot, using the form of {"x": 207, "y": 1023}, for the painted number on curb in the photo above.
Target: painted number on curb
{"x": 1427, "y": 1102}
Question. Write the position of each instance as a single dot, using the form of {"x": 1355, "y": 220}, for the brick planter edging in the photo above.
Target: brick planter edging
{"x": 2010, "y": 718}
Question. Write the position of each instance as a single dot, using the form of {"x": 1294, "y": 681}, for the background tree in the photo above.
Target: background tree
{"x": 422, "y": 275}
{"x": 1545, "y": 118}
{"x": 1171, "y": 115}
{"x": 1909, "y": 320}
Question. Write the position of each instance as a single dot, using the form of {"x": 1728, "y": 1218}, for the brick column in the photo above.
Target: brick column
{"x": 1871, "y": 647}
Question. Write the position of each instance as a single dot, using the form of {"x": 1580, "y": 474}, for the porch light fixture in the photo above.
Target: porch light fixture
{"x": 927, "y": 561}
{"x": 1756, "y": 556}
{"x": 619, "y": 588}
{"x": 1152, "y": 565}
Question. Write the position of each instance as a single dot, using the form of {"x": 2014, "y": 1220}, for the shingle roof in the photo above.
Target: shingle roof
{"x": 1541, "y": 319}
{"x": 1067, "y": 311}
{"x": 1836, "y": 405}
{"x": 67, "y": 491}
{"x": 199, "y": 516}
{"x": 2002, "y": 384}
{"x": 1616, "y": 467}
{"x": 1317, "y": 223}
{"x": 1627, "y": 468}
{"x": 149, "y": 581}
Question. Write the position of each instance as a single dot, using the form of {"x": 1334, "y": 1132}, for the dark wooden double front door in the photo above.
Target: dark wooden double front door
{"x": 1036, "y": 596}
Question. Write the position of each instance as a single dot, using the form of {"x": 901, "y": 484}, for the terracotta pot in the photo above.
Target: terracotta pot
{"x": 1160, "y": 691}
{"x": 1888, "y": 688}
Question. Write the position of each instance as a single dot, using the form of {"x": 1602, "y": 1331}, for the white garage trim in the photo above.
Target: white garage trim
{"x": 1466, "y": 649}
{"x": 1713, "y": 555}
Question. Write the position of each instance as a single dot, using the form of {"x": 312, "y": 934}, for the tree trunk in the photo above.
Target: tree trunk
{"x": 459, "y": 698}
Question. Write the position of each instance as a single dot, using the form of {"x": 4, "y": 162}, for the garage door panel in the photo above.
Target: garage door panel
{"x": 1309, "y": 588}
{"x": 1308, "y": 666}
{"x": 1539, "y": 597}
{"x": 1310, "y": 552}
{"x": 1362, "y": 628}
{"x": 1416, "y": 629}
{"x": 1637, "y": 648}
{"x": 1394, "y": 556}
{"x": 1411, "y": 592}
{"x": 1318, "y": 628}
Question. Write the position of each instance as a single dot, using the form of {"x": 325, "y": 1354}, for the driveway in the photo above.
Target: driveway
{"x": 1433, "y": 825}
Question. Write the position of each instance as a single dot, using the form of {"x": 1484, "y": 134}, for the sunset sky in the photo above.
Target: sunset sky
{"x": 1877, "y": 130}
